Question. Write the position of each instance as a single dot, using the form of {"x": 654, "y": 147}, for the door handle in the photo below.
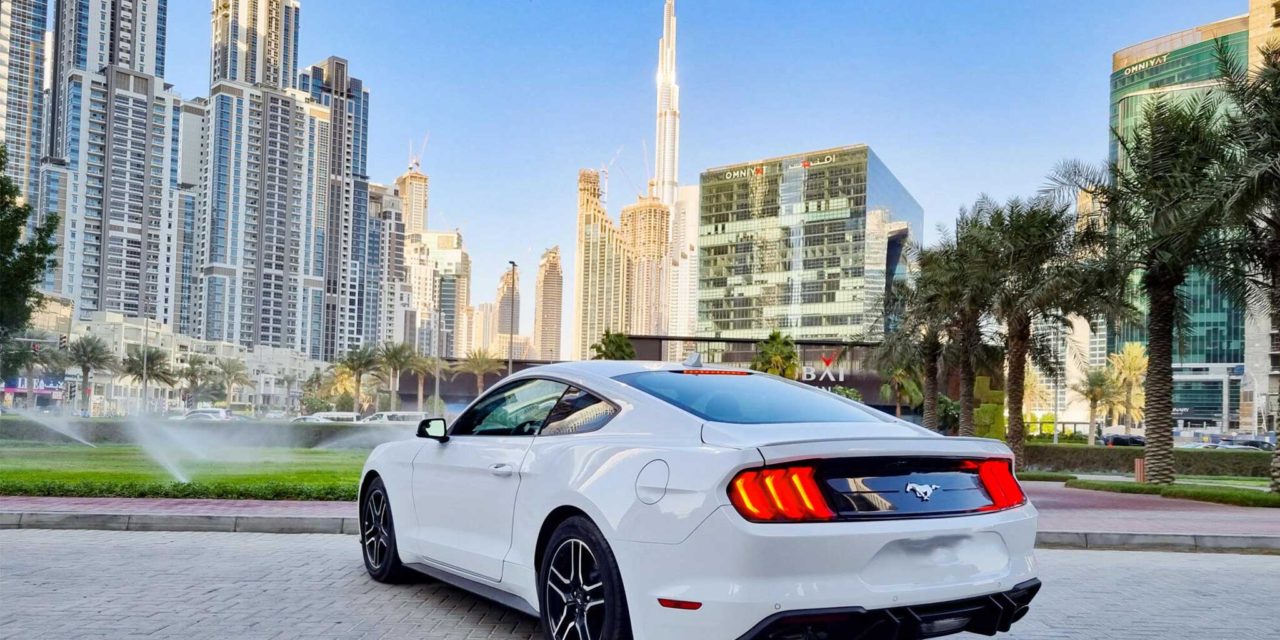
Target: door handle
{"x": 501, "y": 470}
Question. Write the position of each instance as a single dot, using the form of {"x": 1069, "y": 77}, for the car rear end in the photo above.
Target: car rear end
{"x": 872, "y": 529}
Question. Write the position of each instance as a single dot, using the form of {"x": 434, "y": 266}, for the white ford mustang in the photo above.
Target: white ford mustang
{"x": 662, "y": 502}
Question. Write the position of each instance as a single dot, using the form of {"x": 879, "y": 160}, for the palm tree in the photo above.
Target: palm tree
{"x": 39, "y": 359}
{"x": 1043, "y": 275}
{"x": 958, "y": 284}
{"x": 89, "y": 354}
{"x": 145, "y": 365}
{"x": 1164, "y": 199}
{"x": 1129, "y": 370}
{"x": 1255, "y": 94}
{"x": 394, "y": 359}
{"x": 231, "y": 373}
{"x": 613, "y": 346}
{"x": 777, "y": 355}
{"x": 901, "y": 386}
{"x": 479, "y": 363}
{"x": 358, "y": 362}
{"x": 194, "y": 373}
{"x": 915, "y": 339}
{"x": 424, "y": 366}
{"x": 289, "y": 379}
{"x": 1098, "y": 389}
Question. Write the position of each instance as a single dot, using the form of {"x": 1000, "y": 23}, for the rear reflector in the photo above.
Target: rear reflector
{"x": 788, "y": 494}
{"x": 683, "y": 605}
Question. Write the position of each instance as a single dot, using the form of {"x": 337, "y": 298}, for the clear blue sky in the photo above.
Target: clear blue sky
{"x": 957, "y": 98}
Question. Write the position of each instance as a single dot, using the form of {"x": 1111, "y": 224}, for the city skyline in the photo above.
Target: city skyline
{"x": 461, "y": 100}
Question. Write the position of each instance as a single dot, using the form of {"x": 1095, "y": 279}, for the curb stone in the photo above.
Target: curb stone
{"x": 351, "y": 526}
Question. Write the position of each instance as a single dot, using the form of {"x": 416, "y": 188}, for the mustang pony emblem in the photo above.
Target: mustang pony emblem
{"x": 922, "y": 491}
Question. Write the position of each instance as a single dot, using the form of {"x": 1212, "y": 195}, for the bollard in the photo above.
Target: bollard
{"x": 1140, "y": 470}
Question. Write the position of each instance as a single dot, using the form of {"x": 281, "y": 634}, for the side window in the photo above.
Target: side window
{"x": 517, "y": 409}
{"x": 578, "y": 412}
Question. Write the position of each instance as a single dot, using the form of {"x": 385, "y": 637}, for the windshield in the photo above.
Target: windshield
{"x": 746, "y": 399}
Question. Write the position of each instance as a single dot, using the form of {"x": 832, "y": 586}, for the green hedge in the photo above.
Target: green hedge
{"x": 266, "y": 491}
{"x": 1097, "y": 459}
{"x": 1044, "y": 476}
{"x": 1203, "y": 493}
{"x": 243, "y": 433}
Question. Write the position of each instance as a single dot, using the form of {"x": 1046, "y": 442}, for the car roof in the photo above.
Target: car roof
{"x": 613, "y": 368}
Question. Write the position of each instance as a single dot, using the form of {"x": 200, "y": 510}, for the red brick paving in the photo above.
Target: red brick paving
{"x": 1061, "y": 509}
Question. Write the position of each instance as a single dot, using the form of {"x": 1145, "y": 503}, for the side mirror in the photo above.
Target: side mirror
{"x": 434, "y": 428}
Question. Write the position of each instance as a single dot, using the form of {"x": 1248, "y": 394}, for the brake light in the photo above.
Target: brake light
{"x": 997, "y": 478}
{"x": 787, "y": 494}
{"x": 713, "y": 372}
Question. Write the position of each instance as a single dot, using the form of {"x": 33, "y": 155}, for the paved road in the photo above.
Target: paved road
{"x": 195, "y": 586}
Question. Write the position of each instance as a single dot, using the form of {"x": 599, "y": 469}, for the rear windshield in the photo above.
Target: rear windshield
{"x": 746, "y": 399}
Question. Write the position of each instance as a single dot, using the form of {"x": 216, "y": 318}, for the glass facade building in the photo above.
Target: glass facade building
{"x": 1209, "y": 355}
{"x": 807, "y": 244}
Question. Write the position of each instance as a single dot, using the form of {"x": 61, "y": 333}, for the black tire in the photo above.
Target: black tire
{"x": 570, "y": 603}
{"x": 378, "y": 536}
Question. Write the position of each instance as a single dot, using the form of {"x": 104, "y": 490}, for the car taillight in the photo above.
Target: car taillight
{"x": 997, "y": 478}
{"x": 787, "y": 494}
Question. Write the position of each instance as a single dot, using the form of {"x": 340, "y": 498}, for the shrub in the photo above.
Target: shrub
{"x": 1195, "y": 462}
{"x": 241, "y": 433}
{"x": 345, "y": 491}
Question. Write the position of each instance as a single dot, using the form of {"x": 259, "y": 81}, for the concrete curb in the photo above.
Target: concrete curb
{"x": 351, "y": 526}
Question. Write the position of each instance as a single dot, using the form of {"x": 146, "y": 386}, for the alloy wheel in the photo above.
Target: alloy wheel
{"x": 575, "y": 595}
{"x": 375, "y": 527}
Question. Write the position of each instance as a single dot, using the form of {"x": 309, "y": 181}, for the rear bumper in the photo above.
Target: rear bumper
{"x": 744, "y": 573}
{"x": 987, "y": 615}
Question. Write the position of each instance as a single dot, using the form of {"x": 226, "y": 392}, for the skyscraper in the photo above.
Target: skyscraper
{"x": 682, "y": 287}
{"x": 113, "y": 148}
{"x": 414, "y": 188}
{"x": 350, "y": 297}
{"x": 667, "y": 145}
{"x": 485, "y": 326}
{"x": 255, "y": 42}
{"x": 548, "y": 306}
{"x": 646, "y": 227}
{"x": 264, "y": 171}
{"x": 509, "y": 302}
{"x": 452, "y": 266}
{"x": 398, "y": 317}
{"x": 802, "y": 243}
{"x": 22, "y": 68}
{"x": 600, "y": 270}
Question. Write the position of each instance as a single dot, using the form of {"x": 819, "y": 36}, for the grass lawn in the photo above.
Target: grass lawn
{"x": 1223, "y": 495}
{"x": 127, "y": 471}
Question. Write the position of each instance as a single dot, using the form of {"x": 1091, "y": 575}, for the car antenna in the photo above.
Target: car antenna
{"x": 694, "y": 360}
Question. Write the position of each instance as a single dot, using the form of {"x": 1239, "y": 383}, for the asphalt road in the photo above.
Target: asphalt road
{"x": 193, "y": 586}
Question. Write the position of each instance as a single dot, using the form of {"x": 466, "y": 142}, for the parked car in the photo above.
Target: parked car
{"x": 1261, "y": 445}
{"x": 651, "y": 500}
{"x": 1121, "y": 440}
{"x": 329, "y": 416}
{"x": 204, "y": 414}
{"x": 395, "y": 418}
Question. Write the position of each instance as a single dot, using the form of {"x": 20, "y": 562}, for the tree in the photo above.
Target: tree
{"x": 1255, "y": 120}
{"x": 613, "y": 346}
{"x": 394, "y": 359}
{"x": 480, "y": 363}
{"x": 36, "y": 359}
{"x": 26, "y": 254}
{"x": 195, "y": 373}
{"x": 1129, "y": 371}
{"x": 1043, "y": 273}
{"x": 1098, "y": 389}
{"x": 289, "y": 379}
{"x": 147, "y": 365}
{"x": 358, "y": 362}
{"x": 424, "y": 366}
{"x": 231, "y": 373}
{"x": 777, "y": 355}
{"x": 848, "y": 392}
{"x": 89, "y": 354}
{"x": 901, "y": 387}
{"x": 1164, "y": 199}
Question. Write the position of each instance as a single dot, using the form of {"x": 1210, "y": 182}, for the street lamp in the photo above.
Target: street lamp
{"x": 511, "y": 316}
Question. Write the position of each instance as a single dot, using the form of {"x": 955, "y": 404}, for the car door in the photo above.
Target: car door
{"x": 464, "y": 489}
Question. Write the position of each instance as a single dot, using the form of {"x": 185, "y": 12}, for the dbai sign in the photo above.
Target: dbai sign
{"x": 828, "y": 372}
